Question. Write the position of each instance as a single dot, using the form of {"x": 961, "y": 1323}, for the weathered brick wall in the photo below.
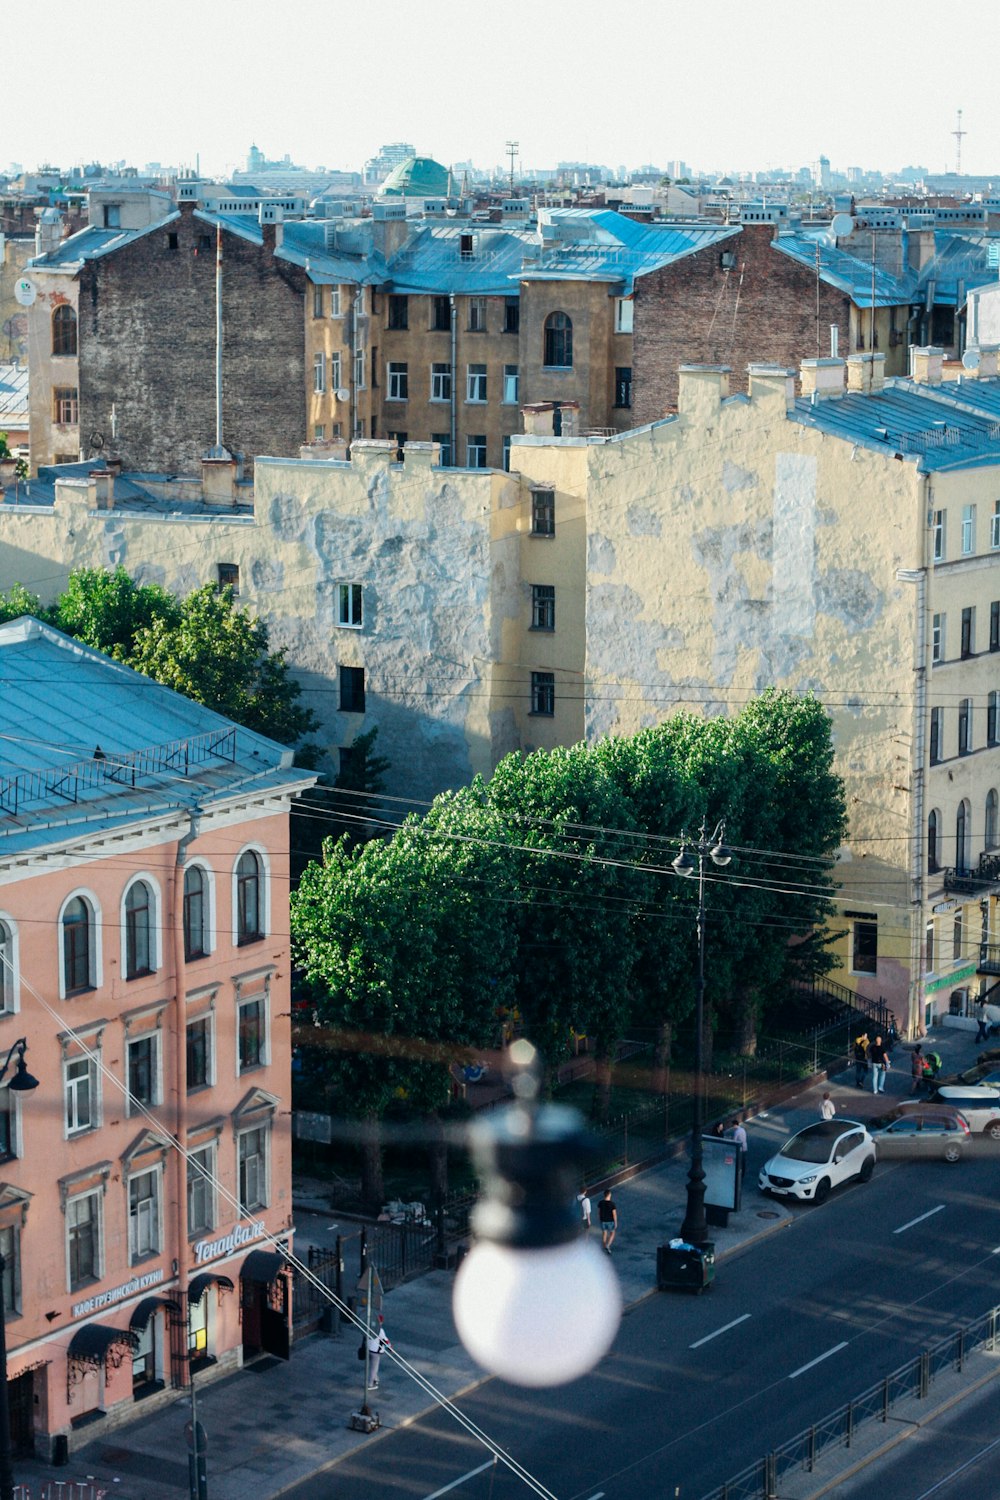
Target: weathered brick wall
{"x": 696, "y": 312}
{"x": 147, "y": 346}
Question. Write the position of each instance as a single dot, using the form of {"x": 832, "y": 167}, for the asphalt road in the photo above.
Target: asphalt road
{"x": 955, "y": 1458}
{"x": 697, "y": 1388}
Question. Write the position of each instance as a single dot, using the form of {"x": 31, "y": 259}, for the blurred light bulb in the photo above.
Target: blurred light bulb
{"x": 537, "y": 1317}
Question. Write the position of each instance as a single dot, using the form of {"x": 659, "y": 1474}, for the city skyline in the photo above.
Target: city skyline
{"x": 746, "y": 87}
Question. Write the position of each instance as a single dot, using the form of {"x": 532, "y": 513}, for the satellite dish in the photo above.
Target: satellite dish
{"x": 971, "y": 359}
{"x": 841, "y": 224}
{"x": 342, "y": 393}
{"x": 25, "y": 291}
{"x": 96, "y": 441}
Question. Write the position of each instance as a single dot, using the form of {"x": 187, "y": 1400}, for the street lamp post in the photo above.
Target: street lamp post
{"x": 695, "y": 1227}
{"x": 21, "y": 1083}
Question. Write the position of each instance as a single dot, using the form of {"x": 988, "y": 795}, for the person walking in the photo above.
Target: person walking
{"x": 378, "y": 1340}
{"x": 917, "y": 1068}
{"x": 739, "y": 1135}
{"x": 878, "y": 1056}
{"x": 827, "y": 1107}
{"x": 607, "y": 1213}
{"x": 583, "y": 1199}
{"x": 982, "y": 1034}
{"x": 860, "y": 1059}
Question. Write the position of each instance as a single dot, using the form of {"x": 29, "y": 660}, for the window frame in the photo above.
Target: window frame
{"x": 336, "y": 310}
{"x": 152, "y": 1040}
{"x": 242, "y": 934}
{"x": 936, "y": 736}
{"x": 319, "y": 374}
{"x": 96, "y": 1220}
{"x": 557, "y": 350}
{"x": 205, "y": 1020}
{"x": 440, "y": 314}
{"x": 543, "y": 606}
{"x": 397, "y": 380}
{"x": 351, "y": 689}
{"x": 476, "y": 450}
{"x": 64, "y": 332}
{"x": 10, "y": 970}
{"x": 137, "y": 935}
{"x": 968, "y": 641}
{"x": 477, "y": 314}
{"x": 623, "y": 388}
{"x": 968, "y": 530}
{"x": 938, "y": 627}
{"x": 543, "y": 511}
{"x": 154, "y": 1173}
{"x": 939, "y": 528}
{"x": 933, "y": 841}
{"x": 258, "y": 1055}
{"x": 93, "y": 954}
{"x": 10, "y": 1249}
{"x": 66, "y": 405}
{"x": 476, "y": 384}
{"x": 991, "y": 829}
{"x": 207, "y": 898}
{"x": 511, "y": 386}
{"x": 263, "y": 1131}
{"x": 202, "y": 1183}
{"x": 995, "y": 526}
{"x": 92, "y": 1079}
{"x": 317, "y": 302}
{"x": 398, "y": 312}
{"x": 350, "y": 606}
{"x": 965, "y": 726}
{"x": 864, "y": 946}
{"x": 993, "y": 717}
{"x": 543, "y": 695}
{"x": 512, "y": 315}
{"x": 441, "y": 378}
{"x": 624, "y": 315}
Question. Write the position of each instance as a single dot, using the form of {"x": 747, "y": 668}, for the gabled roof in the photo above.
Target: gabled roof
{"x": 91, "y": 244}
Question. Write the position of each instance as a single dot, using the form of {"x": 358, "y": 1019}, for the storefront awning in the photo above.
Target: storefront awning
{"x": 91, "y": 1343}
{"x": 262, "y": 1266}
{"x": 200, "y": 1285}
{"x": 146, "y": 1308}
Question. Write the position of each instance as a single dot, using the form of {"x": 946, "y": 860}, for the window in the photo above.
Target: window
{"x": 398, "y": 382}
{"x": 319, "y": 374}
{"x": 138, "y": 930}
{"x": 8, "y": 971}
{"x": 251, "y": 1023}
{"x": 112, "y": 216}
{"x": 558, "y": 341}
{"x": 66, "y": 405}
{"x": 199, "y": 1053}
{"x": 968, "y": 530}
{"x": 253, "y": 1169}
{"x": 956, "y": 936}
{"x": 64, "y": 330}
{"x": 623, "y": 387}
{"x": 172, "y": 241}
{"x": 359, "y": 368}
{"x": 81, "y": 1080}
{"x": 505, "y": 444}
{"x": 510, "y": 385}
{"x": 864, "y": 956}
{"x": 200, "y": 1191}
{"x": 8, "y": 1124}
{"x": 352, "y": 690}
{"x": 440, "y": 382}
{"x": 83, "y": 1239}
{"x": 968, "y": 632}
{"x": 543, "y": 606}
{"x": 77, "y": 926}
{"x": 990, "y": 839}
{"x": 933, "y": 835}
{"x": 929, "y": 947}
{"x": 10, "y": 1249}
{"x": 399, "y": 312}
{"x": 444, "y": 439}
{"x": 143, "y": 1059}
{"x": 937, "y": 638}
{"x": 939, "y": 537}
{"x": 195, "y": 913}
{"x": 475, "y": 383}
{"x": 965, "y": 726}
{"x": 995, "y": 525}
{"x": 962, "y": 837}
{"x": 623, "y": 314}
{"x": 336, "y": 380}
{"x": 477, "y": 314}
{"x": 935, "y": 735}
{"x": 317, "y": 301}
{"x": 441, "y": 314}
{"x": 198, "y": 1334}
{"x": 475, "y": 450}
{"x": 995, "y": 625}
{"x": 319, "y": 432}
{"x": 543, "y": 693}
{"x": 511, "y": 315}
{"x": 992, "y": 719}
{"x": 204, "y": 242}
{"x": 144, "y": 1215}
{"x": 543, "y": 512}
{"x": 349, "y": 606}
{"x": 249, "y": 916}
{"x": 335, "y": 302}
{"x": 228, "y": 577}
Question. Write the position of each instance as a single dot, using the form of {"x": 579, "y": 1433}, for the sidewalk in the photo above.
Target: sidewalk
{"x": 274, "y": 1423}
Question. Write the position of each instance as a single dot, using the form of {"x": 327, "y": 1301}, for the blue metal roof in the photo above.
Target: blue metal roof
{"x": 848, "y": 273}
{"x": 432, "y": 262}
{"x": 960, "y": 261}
{"x": 88, "y": 744}
{"x": 914, "y": 421}
{"x": 13, "y": 393}
{"x": 304, "y": 244}
{"x": 601, "y": 245}
{"x": 91, "y": 244}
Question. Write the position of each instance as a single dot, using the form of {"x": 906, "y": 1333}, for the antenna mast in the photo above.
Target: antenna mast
{"x": 512, "y": 148}
{"x": 958, "y": 134}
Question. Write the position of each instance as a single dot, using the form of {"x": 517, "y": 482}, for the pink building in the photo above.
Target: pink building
{"x": 145, "y": 959}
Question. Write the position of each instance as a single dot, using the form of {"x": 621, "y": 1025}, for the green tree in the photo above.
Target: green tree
{"x": 107, "y": 610}
{"x": 16, "y": 602}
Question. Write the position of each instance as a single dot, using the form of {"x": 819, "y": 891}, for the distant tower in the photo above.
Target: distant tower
{"x": 958, "y": 134}
{"x": 511, "y": 149}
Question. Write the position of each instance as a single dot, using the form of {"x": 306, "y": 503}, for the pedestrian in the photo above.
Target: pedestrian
{"x": 378, "y": 1340}
{"x": 917, "y": 1066}
{"x": 718, "y": 1130}
{"x": 739, "y": 1135}
{"x": 583, "y": 1199}
{"x": 983, "y": 1033}
{"x": 860, "y": 1059}
{"x": 827, "y": 1108}
{"x": 607, "y": 1212}
{"x": 878, "y": 1056}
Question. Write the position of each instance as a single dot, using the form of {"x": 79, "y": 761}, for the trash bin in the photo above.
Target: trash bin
{"x": 683, "y": 1267}
{"x": 60, "y": 1450}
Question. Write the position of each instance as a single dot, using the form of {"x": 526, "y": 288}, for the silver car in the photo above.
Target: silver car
{"x": 918, "y": 1131}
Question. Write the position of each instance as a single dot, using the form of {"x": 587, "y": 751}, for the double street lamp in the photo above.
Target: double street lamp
{"x": 695, "y": 1227}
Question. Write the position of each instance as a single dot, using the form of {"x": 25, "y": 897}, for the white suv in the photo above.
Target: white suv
{"x": 978, "y": 1102}
{"x": 819, "y": 1158}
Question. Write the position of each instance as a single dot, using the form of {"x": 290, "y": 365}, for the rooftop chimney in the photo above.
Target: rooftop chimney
{"x": 103, "y": 481}
{"x": 772, "y": 380}
{"x": 866, "y": 373}
{"x": 989, "y": 361}
{"x": 822, "y": 378}
{"x": 218, "y": 480}
{"x": 701, "y": 388}
{"x": 927, "y": 364}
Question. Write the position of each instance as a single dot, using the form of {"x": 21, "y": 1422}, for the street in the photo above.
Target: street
{"x": 696, "y": 1388}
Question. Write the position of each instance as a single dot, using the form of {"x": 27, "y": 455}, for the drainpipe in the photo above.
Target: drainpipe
{"x": 180, "y": 1069}
{"x": 454, "y": 378}
{"x": 921, "y": 750}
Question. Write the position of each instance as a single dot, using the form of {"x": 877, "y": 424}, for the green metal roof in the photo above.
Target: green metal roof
{"x": 417, "y": 177}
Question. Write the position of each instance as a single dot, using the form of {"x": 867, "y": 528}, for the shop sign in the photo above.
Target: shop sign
{"x": 241, "y": 1234}
{"x": 950, "y": 980}
{"x": 117, "y": 1293}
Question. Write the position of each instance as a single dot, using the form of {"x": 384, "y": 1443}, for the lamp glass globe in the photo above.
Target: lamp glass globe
{"x": 537, "y": 1317}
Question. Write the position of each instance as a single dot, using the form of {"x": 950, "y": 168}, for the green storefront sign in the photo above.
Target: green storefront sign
{"x": 949, "y": 982}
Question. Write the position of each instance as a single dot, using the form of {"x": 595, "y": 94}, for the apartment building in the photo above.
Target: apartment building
{"x": 145, "y": 963}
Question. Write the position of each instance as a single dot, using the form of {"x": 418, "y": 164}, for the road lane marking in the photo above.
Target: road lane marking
{"x": 710, "y": 1336}
{"x": 928, "y": 1215}
{"x": 817, "y": 1361}
{"x": 456, "y": 1482}
{"x": 975, "y": 1459}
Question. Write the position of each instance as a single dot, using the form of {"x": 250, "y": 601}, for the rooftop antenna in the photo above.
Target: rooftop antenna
{"x": 512, "y": 148}
{"x": 958, "y": 134}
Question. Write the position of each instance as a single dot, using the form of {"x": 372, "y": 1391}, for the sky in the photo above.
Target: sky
{"x": 718, "y": 84}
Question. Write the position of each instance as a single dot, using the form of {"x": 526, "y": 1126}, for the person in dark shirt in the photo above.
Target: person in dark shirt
{"x": 878, "y": 1056}
{"x": 607, "y": 1212}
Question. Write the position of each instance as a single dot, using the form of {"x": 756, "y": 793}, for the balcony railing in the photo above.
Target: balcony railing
{"x": 989, "y": 958}
{"x": 969, "y": 882}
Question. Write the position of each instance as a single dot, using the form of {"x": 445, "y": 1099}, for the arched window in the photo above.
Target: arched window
{"x": 933, "y": 837}
{"x": 194, "y": 912}
{"x": 77, "y": 945}
{"x": 7, "y": 986}
{"x": 249, "y": 926}
{"x": 991, "y": 819}
{"x": 64, "y": 330}
{"x": 138, "y": 930}
{"x": 962, "y": 831}
{"x": 559, "y": 341}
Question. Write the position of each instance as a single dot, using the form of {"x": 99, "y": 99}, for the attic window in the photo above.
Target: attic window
{"x": 171, "y": 242}
{"x": 466, "y": 247}
{"x": 727, "y": 260}
{"x": 229, "y": 577}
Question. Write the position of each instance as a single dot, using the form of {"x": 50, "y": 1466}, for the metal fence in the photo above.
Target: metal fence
{"x": 760, "y": 1480}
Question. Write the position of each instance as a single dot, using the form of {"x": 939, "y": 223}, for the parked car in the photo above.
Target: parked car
{"x": 818, "y": 1159}
{"x": 980, "y": 1072}
{"x": 918, "y": 1130}
{"x": 978, "y": 1102}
